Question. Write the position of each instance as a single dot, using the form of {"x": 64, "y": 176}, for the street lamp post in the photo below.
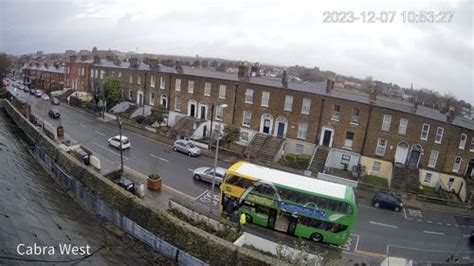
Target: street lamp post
{"x": 222, "y": 106}
{"x": 119, "y": 122}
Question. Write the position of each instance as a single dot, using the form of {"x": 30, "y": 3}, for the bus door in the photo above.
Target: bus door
{"x": 292, "y": 226}
{"x": 282, "y": 222}
{"x": 271, "y": 218}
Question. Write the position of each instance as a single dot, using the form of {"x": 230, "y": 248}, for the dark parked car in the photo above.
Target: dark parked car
{"x": 54, "y": 114}
{"x": 32, "y": 91}
{"x": 126, "y": 184}
{"x": 55, "y": 101}
{"x": 387, "y": 200}
{"x": 471, "y": 238}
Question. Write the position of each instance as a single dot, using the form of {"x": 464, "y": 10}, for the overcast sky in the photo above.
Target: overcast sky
{"x": 436, "y": 56}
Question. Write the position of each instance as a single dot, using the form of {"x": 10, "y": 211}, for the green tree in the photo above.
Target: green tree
{"x": 112, "y": 91}
{"x": 231, "y": 134}
{"x": 158, "y": 115}
{"x": 5, "y": 63}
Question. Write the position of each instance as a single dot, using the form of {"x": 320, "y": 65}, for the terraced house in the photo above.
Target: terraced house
{"x": 46, "y": 76}
{"x": 343, "y": 132}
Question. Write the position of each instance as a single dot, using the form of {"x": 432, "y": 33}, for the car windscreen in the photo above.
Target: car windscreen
{"x": 190, "y": 145}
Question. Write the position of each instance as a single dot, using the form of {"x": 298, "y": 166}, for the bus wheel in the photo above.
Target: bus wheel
{"x": 316, "y": 237}
{"x": 248, "y": 218}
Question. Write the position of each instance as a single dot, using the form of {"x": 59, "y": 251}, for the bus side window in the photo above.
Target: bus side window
{"x": 232, "y": 179}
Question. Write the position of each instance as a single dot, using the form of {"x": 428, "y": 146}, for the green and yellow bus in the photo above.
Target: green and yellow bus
{"x": 297, "y": 205}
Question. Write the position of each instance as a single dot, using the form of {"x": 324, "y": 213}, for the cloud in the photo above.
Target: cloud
{"x": 436, "y": 56}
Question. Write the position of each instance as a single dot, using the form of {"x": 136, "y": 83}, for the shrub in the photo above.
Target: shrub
{"x": 139, "y": 119}
{"x": 3, "y": 93}
{"x": 154, "y": 176}
{"x": 297, "y": 161}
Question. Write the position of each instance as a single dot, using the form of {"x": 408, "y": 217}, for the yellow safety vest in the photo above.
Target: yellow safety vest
{"x": 243, "y": 219}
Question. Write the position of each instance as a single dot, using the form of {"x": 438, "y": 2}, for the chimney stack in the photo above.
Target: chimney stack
{"x": 451, "y": 114}
{"x": 329, "y": 86}
{"x": 72, "y": 58}
{"x": 117, "y": 61}
{"x": 134, "y": 62}
{"x": 178, "y": 67}
{"x": 372, "y": 93}
{"x": 243, "y": 71}
{"x": 96, "y": 59}
{"x": 284, "y": 78}
{"x": 255, "y": 70}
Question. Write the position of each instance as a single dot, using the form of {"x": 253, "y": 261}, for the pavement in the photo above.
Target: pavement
{"x": 416, "y": 233}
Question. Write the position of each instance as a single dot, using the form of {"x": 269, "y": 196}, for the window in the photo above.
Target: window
{"x": 83, "y": 70}
{"x": 425, "y": 129}
{"x": 439, "y": 135}
{"x": 247, "y": 119}
{"x": 462, "y": 142}
{"x": 302, "y": 130}
{"x": 139, "y": 80}
{"x": 471, "y": 149}
{"x": 130, "y": 79}
{"x": 265, "y": 98}
{"x": 427, "y": 178}
{"x": 152, "y": 98}
{"x": 130, "y": 94}
{"x": 119, "y": 74}
{"x": 381, "y": 146}
{"x": 299, "y": 149}
{"x": 162, "y": 83}
{"x": 244, "y": 136}
{"x": 152, "y": 81}
{"x": 222, "y": 91}
{"x": 433, "y": 159}
{"x": 336, "y": 112}
{"x": 177, "y": 104}
{"x": 190, "y": 86}
{"x": 207, "y": 89}
{"x": 249, "y": 96}
{"x": 349, "y": 139}
{"x": 402, "y": 128}
{"x": 219, "y": 113}
{"x": 387, "y": 119}
{"x": 102, "y": 73}
{"x": 92, "y": 72}
{"x": 355, "y": 116}
{"x": 376, "y": 167}
{"x": 177, "y": 85}
{"x": 306, "y": 106}
{"x": 288, "y": 103}
{"x": 457, "y": 164}
{"x": 345, "y": 159}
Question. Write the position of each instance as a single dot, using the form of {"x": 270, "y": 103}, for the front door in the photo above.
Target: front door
{"x": 140, "y": 99}
{"x": 401, "y": 153}
{"x": 281, "y": 129}
{"x": 192, "y": 112}
{"x": 204, "y": 131}
{"x": 414, "y": 158}
{"x": 327, "y": 138}
{"x": 266, "y": 126}
{"x": 203, "y": 112}
{"x": 470, "y": 167}
{"x": 282, "y": 222}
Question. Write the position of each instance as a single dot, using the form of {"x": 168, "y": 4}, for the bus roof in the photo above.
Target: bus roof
{"x": 299, "y": 182}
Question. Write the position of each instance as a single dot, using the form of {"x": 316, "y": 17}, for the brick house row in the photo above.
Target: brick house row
{"x": 378, "y": 133}
{"x": 45, "y": 76}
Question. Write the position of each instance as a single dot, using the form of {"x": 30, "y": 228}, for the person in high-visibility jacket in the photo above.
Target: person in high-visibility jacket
{"x": 243, "y": 219}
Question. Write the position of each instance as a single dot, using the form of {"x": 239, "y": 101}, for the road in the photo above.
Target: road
{"x": 416, "y": 234}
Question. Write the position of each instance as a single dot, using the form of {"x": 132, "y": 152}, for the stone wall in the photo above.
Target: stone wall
{"x": 181, "y": 234}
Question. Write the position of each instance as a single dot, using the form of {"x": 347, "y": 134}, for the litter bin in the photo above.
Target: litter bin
{"x": 60, "y": 131}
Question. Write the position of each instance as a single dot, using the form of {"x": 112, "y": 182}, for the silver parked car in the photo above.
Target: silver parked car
{"x": 186, "y": 146}
{"x": 207, "y": 174}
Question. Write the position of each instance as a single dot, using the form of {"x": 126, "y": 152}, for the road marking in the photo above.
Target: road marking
{"x": 189, "y": 169}
{"x": 430, "y": 222}
{"x": 159, "y": 158}
{"x": 357, "y": 242}
{"x": 371, "y": 254}
{"x": 466, "y": 235}
{"x": 200, "y": 195}
{"x": 418, "y": 220}
{"x": 432, "y": 232}
{"x": 382, "y": 224}
{"x": 456, "y": 225}
{"x": 82, "y": 125}
{"x": 108, "y": 149}
{"x": 428, "y": 250}
{"x": 448, "y": 224}
{"x": 100, "y": 133}
{"x": 440, "y": 223}
{"x": 466, "y": 258}
{"x": 405, "y": 214}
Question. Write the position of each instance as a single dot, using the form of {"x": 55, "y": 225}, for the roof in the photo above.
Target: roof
{"x": 282, "y": 178}
{"x": 50, "y": 68}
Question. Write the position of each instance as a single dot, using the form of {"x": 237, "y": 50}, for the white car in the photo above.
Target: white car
{"x": 115, "y": 142}
{"x": 207, "y": 174}
{"x": 38, "y": 93}
{"x": 45, "y": 97}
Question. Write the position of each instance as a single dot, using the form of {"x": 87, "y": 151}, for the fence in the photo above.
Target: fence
{"x": 102, "y": 209}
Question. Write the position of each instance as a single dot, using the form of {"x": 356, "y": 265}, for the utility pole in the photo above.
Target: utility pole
{"x": 210, "y": 130}
{"x": 222, "y": 106}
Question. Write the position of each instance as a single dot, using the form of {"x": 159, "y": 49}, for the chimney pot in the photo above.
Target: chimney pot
{"x": 72, "y": 58}
{"x": 284, "y": 78}
{"x": 329, "y": 86}
{"x": 96, "y": 60}
{"x": 243, "y": 71}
